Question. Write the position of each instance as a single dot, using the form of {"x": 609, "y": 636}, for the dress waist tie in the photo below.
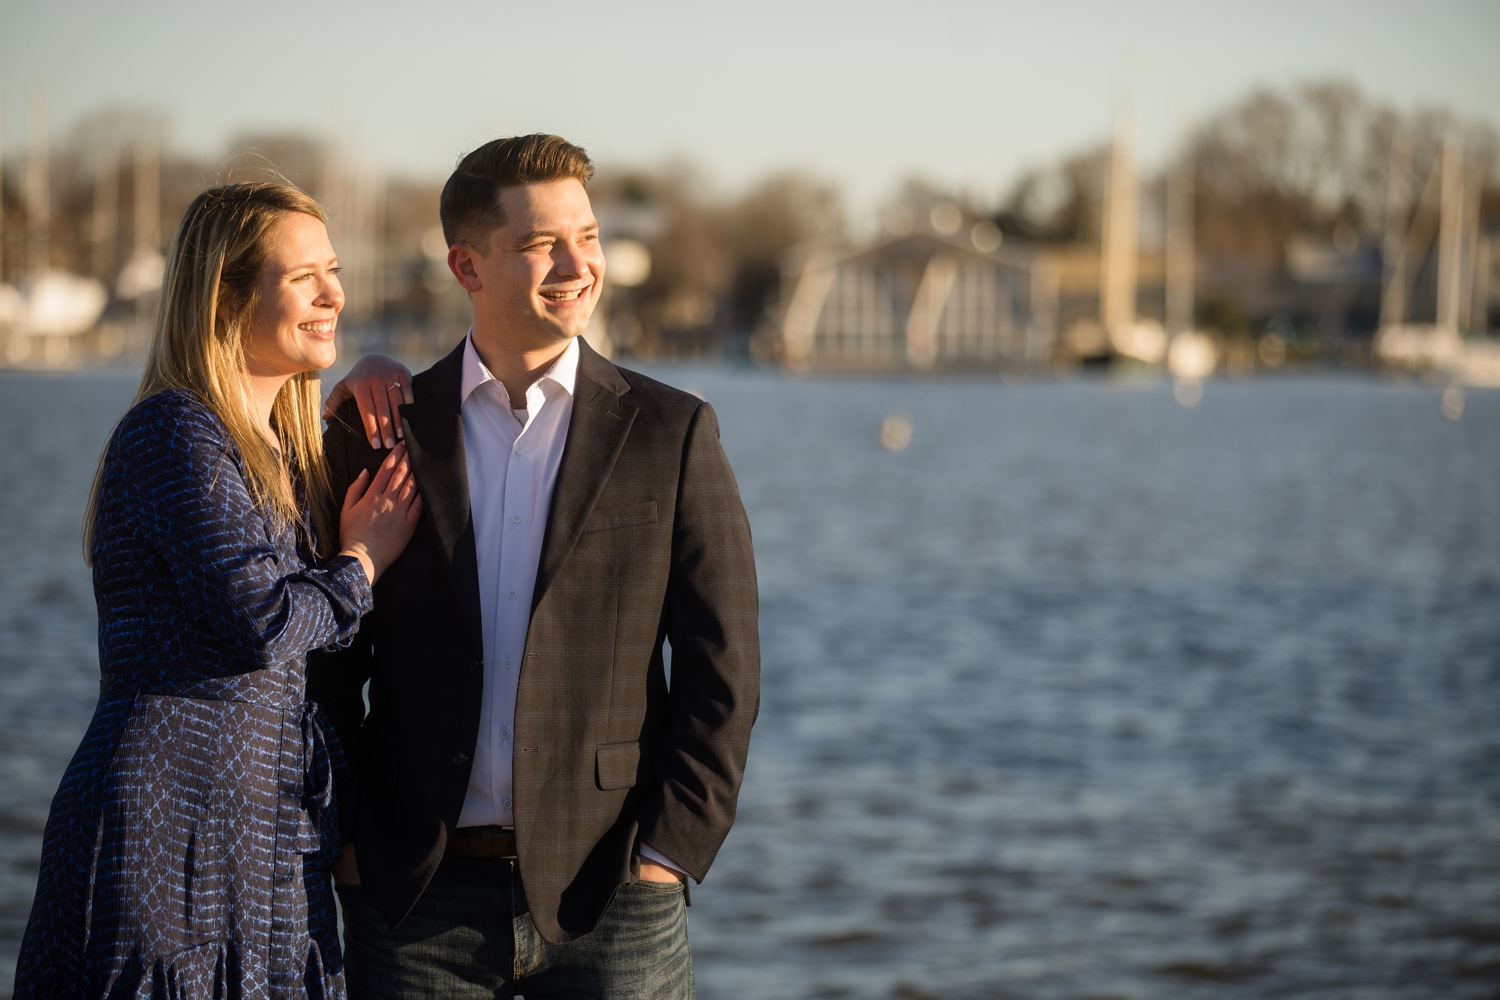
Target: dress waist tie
{"x": 318, "y": 827}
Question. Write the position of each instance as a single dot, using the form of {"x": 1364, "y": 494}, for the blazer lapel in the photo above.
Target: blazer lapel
{"x": 600, "y": 423}
{"x": 435, "y": 444}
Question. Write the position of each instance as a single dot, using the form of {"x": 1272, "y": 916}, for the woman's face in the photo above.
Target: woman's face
{"x": 300, "y": 300}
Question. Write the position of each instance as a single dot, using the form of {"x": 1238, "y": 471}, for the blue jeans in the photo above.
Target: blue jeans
{"x": 471, "y": 937}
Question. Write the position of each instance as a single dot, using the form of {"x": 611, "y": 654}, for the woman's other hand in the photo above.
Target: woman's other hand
{"x": 380, "y": 514}
{"x": 378, "y": 385}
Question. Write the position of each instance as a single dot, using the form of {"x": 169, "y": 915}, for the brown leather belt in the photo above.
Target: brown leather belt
{"x": 483, "y": 842}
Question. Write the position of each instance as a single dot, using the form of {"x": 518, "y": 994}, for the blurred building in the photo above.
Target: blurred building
{"x": 938, "y": 291}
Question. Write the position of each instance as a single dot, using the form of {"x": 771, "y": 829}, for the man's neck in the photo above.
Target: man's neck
{"x": 517, "y": 368}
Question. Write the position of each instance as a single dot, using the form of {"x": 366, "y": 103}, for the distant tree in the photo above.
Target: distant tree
{"x": 760, "y": 227}
{"x": 1058, "y": 204}
{"x": 1304, "y": 160}
{"x": 1309, "y": 161}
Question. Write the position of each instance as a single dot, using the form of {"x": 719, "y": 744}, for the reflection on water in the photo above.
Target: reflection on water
{"x": 1081, "y": 694}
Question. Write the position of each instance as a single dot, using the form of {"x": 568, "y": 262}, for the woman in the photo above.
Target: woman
{"x": 187, "y": 851}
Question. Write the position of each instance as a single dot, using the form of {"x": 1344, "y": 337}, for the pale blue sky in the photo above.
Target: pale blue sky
{"x": 964, "y": 93}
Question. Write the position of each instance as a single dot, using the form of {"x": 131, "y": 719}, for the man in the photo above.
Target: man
{"x": 531, "y": 790}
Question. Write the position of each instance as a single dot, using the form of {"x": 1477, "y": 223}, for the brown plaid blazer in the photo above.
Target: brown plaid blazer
{"x": 646, "y": 540}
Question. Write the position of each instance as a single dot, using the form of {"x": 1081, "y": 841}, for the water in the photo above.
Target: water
{"x": 1082, "y": 695}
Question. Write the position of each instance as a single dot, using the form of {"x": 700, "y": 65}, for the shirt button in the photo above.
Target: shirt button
{"x": 460, "y": 759}
{"x": 507, "y": 661}
{"x": 518, "y": 449}
{"x": 505, "y": 732}
{"x": 512, "y": 595}
{"x": 515, "y": 518}
{"x": 506, "y": 803}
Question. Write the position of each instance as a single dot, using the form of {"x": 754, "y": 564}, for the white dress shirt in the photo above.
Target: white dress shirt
{"x": 512, "y": 457}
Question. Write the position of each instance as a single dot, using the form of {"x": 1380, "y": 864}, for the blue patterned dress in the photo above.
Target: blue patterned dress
{"x": 187, "y": 851}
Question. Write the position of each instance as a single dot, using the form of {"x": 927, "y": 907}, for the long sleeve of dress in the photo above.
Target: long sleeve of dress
{"x": 182, "y": 491}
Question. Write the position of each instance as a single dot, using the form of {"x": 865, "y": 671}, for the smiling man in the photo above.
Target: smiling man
{"x": 531, "y": 793}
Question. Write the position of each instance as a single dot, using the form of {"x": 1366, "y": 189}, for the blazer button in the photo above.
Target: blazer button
{"x": 476, "y": 666}
{"x": 460, "y": 759}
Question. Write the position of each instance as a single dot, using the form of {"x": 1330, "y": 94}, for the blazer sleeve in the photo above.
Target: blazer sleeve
{"x": 711, "y": 617}
{"x": 182, "y": 483}
{"x": 336, "y": 677}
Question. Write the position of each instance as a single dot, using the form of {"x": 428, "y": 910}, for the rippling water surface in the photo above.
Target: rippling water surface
{"x": 1082, "y": 695}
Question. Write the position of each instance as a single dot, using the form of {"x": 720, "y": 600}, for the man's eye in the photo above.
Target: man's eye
{"x": 334, "y": 270}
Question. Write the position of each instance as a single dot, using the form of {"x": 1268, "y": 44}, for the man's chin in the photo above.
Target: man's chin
{"x": 572, "y": 328}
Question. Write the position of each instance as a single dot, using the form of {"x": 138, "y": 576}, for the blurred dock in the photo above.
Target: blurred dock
{"x": 1269, "y": 239}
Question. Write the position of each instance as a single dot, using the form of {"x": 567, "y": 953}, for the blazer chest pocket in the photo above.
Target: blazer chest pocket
{"x": 621, "y": 517}
{"x": 615, "y": 765}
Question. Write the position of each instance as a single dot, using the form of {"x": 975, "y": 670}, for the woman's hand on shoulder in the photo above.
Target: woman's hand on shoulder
{"x": 378, "y": 385}
{"x": 380, "y": 513}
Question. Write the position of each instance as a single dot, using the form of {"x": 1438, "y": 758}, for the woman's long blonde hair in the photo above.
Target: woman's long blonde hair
{"x": 216, "y": 258}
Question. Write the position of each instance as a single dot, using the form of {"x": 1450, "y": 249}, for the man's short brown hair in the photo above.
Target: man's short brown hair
{"x": 470, "y": 205}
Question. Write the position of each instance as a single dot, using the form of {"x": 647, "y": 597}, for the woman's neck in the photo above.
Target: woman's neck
{"x": 263, "y": 392}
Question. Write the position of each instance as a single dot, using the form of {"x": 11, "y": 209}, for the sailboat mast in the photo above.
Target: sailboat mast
{"x": 2, "y": 189}
{"x": 38, "y": 214}
{"x": 1469, "y": 241}
{"x": 1450, "y": 237}
{"x": 1181, "y": 264}
{"x": 105, "y": 223}
{"x": 147, "y": 222}
{"x": 1118, "y": 278}
{"x": 1392, "y": 251}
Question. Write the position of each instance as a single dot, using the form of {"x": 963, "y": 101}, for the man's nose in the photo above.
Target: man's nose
{"x": 568, "y": 260}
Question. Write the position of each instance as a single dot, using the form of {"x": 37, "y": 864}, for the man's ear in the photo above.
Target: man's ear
{"x": 461, "y": 263}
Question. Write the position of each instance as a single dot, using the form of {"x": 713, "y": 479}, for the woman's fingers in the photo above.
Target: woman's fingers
{"x": 382, "y": 481}
{"x": 375, "y": 410}
{"x": 379, "y": 378}
{"x": 378, "y": 385}
{"x": 398, "y": 392}
{"x": 382, "y": 408}
{"x": 356, "y": 490}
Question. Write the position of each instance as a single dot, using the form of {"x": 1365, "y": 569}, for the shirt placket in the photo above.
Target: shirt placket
{"x": 497, "y": 695}
{"x": 519, "y": 504}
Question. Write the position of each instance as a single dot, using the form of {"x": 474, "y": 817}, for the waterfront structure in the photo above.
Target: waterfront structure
{"x": 922, "y": 300}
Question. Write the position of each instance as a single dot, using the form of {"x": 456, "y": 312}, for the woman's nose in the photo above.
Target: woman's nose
{"x": 331, "y": 295}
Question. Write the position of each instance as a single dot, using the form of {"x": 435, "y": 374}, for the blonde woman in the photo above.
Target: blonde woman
{"x": 188, "y": 847}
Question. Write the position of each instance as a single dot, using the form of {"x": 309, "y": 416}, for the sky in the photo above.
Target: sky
{"x": 964, "y": 94}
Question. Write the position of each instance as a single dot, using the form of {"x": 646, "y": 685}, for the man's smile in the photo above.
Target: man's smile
{"x": 566, "y": 296}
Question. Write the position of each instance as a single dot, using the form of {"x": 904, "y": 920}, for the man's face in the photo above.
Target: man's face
{"x": 540, "y": 277}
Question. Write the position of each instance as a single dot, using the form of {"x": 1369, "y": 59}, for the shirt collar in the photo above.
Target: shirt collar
{"x": 564, "y": 371}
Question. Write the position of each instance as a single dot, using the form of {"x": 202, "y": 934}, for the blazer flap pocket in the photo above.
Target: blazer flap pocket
{"x": 621, "y": 517}
{"x": 616, "y": 763}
